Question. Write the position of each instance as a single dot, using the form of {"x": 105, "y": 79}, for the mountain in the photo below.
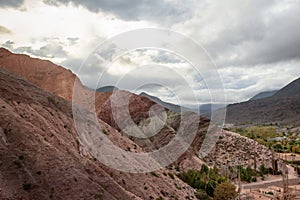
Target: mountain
{"x": 291, "y": 90}
{"x": 41, "y": 156}
{"x": 138, "y": 109}
{"x": 48, "y": 76}
{"x": 283, "y": 108}
{"x": 44, "y": 157}
{"x": 262, "y": 95}
{"x": 170, "y": 106}
{"x": 44, "y": 74}
{"x": 206, "y": 109}
{"x": 107, "y": 89}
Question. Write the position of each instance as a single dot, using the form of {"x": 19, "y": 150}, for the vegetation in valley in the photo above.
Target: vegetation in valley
{"x": 279, "y": 139}
{"x": 207, "y": 181}
{"x": 225, "y": 190}
{"x": 250, "y": 175}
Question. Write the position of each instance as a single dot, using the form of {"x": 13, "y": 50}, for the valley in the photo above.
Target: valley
{"x": 39, "y": 140}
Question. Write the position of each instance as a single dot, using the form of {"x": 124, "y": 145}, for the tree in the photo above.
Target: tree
{"x": 246, "y": 174}
{"x": 205, "y": 180}
{"x": 225, "y": 191}
{"x": 210, "y": 187}
{"x": 263, "y": 170}
{"x": 277, "y": 147}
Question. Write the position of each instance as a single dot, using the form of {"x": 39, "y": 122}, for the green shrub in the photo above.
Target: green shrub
{"x": 105, "y": 132}
{"x": 226, "y": 191}
{"x": 263, "y": 170}
{"x": 177, "y": 187}
{"x": 154, "y": 174}
{"x": 171, "y": 175}
{"x": 51, "y": 100}
{"x": 206, "y": 179}
{"x": 164, "y": 193}
{"x": 246, "y": 174}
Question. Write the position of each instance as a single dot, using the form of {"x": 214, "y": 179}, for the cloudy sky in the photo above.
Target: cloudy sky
{"x": 254, "y": 44}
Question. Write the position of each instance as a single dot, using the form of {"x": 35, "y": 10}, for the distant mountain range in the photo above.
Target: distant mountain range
{"x": 170, "y": 106}
{"x": 278, "y": 106}
{"x": 262, "y": 95}
{"x": 283, "y": 107}
{"x": 204, "y": 109}
{"x": 107, "y": 89}
{"x": 207, "y": 109}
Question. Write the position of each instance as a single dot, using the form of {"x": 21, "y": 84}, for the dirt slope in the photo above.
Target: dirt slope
{"x": 41, "y": 156}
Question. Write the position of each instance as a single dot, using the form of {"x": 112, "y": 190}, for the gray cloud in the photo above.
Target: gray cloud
{"x": 73, "y": 40}
{"x": 72, "y": 64}
{"x": 166, "y": 57}
{"x": 11, "y": 3}
{"x": 50, "y": 50}
{"x": 259, "y": 32}
{"x": 251, "y": 42}
{"x": 108, "y": 51}
{"x": 243, "y": 83}
{"x": 8, "y": 44}
{"x": 160, "y": 81}
{"x": 162, "y": 11}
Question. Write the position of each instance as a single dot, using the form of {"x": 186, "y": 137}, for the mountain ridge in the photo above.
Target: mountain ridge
{"x": 44, "y": 74}
{"x": 283, "y": 108}
{"x": 108, "y": 88}
{"x": 291, "y": 89}
{"x": 262, "y": 95}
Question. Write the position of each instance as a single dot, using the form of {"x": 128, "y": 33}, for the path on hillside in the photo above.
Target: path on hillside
{"x": 293, "y": 179}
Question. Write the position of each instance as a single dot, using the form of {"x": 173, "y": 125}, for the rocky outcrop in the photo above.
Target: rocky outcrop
{"x": 126, "y": 106}
{"x": 41, "y": 73}
{"x": 233, "y": 149}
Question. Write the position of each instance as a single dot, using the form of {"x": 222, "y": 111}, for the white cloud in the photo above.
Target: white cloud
{"x": 40, "y": 21}
{"x": 242, "y": 83}
{"x": 251, "y": 42}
